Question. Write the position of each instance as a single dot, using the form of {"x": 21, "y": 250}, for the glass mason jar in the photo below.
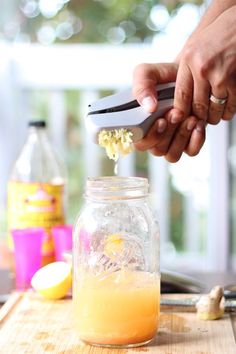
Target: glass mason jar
{"x": 116, "y": 284}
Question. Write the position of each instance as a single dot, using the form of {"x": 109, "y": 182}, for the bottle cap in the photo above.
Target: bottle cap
{"x": 37, "y": 123}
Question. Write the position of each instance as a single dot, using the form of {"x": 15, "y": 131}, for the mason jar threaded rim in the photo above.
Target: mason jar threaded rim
{"x": 116, "y": 187}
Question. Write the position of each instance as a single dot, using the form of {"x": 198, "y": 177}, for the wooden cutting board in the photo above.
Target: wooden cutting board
{"x": 29, "y": 324}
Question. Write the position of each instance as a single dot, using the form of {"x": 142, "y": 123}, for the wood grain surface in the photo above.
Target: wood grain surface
{"x": 29, "y": 324}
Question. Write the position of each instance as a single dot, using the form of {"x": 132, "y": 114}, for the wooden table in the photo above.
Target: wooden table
{"x": 29, "y": 324}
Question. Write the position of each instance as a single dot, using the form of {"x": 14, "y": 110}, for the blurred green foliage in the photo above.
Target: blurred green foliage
{"x": 82, "y": 21}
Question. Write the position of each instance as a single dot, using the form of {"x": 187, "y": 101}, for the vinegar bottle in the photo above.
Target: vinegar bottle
{"x": 36, "y": 188}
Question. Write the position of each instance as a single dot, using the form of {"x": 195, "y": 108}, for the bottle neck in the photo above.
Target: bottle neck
{"x": 38, "y": 133}
{"x": 116, "y": 188}
{"x": 38, "y": 136}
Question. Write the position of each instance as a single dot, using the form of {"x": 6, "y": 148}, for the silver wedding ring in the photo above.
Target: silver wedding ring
{"x": 218, "y": 100}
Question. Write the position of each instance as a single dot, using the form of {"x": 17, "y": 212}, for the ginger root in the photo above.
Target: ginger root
{"x": 211, "y": 306}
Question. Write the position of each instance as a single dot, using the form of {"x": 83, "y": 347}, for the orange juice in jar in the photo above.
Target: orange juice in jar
{"x": 116, "y": 288}
{"x": 119, "y": 309}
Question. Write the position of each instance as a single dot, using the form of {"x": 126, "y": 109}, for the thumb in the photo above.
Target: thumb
{"x": 145, "y": 79}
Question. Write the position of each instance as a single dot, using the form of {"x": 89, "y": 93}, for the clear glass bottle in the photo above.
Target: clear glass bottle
{"x": 116, "y": 284}
{"x": 36, "y": 188}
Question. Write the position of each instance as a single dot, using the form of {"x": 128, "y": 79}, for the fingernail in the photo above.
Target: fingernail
{"x": 191, "y": 125}
{"x": 149, "y": 103}
{"x": 161, "y": 126}
{"x": 176, "y": 118}
{"x": 200, "y": 126}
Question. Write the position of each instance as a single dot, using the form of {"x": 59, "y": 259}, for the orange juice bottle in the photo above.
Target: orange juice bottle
{"x": 36, "y": 188}
{"x": 116, "y": 286}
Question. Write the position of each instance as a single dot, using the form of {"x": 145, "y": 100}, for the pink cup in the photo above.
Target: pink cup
{"x": 27, "y": 253}
{"x": 62, "y": 236}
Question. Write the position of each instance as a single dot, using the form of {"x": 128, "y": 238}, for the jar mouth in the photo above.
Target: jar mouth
{"x": 115, "y": 187}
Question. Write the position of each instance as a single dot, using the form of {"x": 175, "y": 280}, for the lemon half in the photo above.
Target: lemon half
{"x": 53, "y": 281}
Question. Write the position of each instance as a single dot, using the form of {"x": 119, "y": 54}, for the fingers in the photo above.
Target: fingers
{"x": 171, "y": 136}
{"x": 225, "y": 91}
{"x": 183, "y": 90}
{"x": 192, "y": 94}
{"x": 200, "y": 103}
{"x": 144, "y": 86}
{"x": 189, "y": 138}
{"x": 216, "y": 109}
{"x": 159, "y": 135}
{"x": 197, "y": 139}
{"x": 164, "y": 140}
{"x": 181, "y": 139}
{"x": 145, "y": 79}
{"x": 171, "y": 140}
{"x": 156, "y": 132}
{"x": 230, "y": 106}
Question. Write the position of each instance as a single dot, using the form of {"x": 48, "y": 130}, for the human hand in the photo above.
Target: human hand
{"x": 167, "y": 137}
{"x": 207, "y": 66}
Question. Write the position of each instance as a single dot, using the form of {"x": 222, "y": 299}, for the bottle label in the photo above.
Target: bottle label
{"x": 36, "y": 205}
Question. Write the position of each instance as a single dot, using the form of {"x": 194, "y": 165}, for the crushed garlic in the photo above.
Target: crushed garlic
{"x": 116, "y": 142}
{"x": 211, "y": 306}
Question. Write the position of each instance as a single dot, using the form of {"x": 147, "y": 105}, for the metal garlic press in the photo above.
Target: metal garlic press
{"x": 122, "y": 110}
